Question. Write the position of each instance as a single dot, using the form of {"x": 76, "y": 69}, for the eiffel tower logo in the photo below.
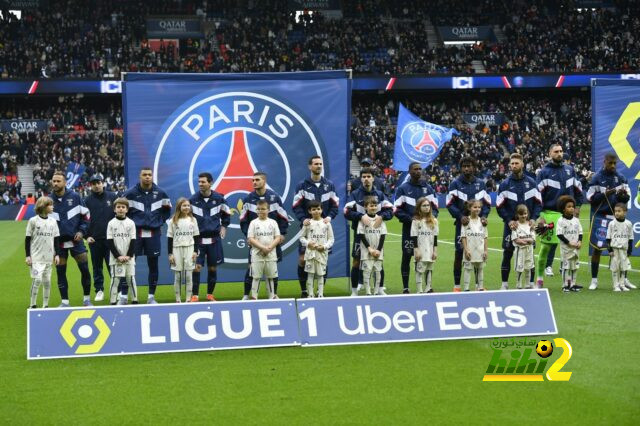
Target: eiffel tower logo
{"x": 426, "y": 140}
{"x": 237, "y": 174}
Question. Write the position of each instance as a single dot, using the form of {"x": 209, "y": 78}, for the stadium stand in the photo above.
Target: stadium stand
{"x": 105, "y": 38}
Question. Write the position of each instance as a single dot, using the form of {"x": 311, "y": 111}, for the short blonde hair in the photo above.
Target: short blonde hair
{"x": 42, "y": 204}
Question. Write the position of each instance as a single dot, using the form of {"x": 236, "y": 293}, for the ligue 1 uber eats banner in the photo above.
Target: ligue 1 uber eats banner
{"x": 172, "y": 327}
{"x": 232, "y": 125}
{"x": 616, "y": 127}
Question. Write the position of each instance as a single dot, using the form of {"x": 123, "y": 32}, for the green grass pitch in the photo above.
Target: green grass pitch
{"x": 381, "y": 383}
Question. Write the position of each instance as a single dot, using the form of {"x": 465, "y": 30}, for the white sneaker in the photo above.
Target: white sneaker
{"x": 381, "y": 292}
{"x": 245, "y": 297}
{"x": 628, "y": 284}
{"x": 593, "y": 285}
{"x": 623, "y": 288}
{"x": 99, "y": 296}
{"x": 505, "y": 286}
{"x": 548, "y": 271}
{"x": 354, "y": 292}
{"x": 616, "y": 288}
{"x": 122, "y": 301}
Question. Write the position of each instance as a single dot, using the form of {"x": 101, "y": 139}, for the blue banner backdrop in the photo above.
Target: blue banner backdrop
{"x": 615, "y": 106}
{"x": 232, "y": 125}
{"x": 401, "y": 318}
{"x": 137, "y": 329}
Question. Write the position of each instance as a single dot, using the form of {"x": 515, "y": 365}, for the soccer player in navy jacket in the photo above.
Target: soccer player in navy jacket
{"x": 314, "y": 188}
{"x": 149, "y": 208}
{"x": 606, "y": 189}
{"x": 214, "y": 216}
{"x": 250, "y": 212}
{"x": 73, "y": 222}
{"x": 354, "y": 210}
{"x": 517, "y": 188}
{"x": 100, "y": 205}
{"x": 405, "y": 202}
{"x": 465, "y": 187}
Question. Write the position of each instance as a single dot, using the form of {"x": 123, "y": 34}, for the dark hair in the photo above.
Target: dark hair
{"x": 146, "y": 168}
{"x": 610, "y": 156}
{"x": 516, "y": 156}
{"x": 313, "y": 158}
{"x": 313, "y": 204}
{"x": 370, "y": 200}
{"x": 263, "y": 174}
{"x": 366, "y": 171}
{"x": 59, "y": 173}
{"x": 413, "y": 163}
{"x": 555, "y": 144}
{"x": 623, "y": 206}
{"x": 563, "y": 201}
{"x": 207, "y": 176}
{"x": 468, "y": 160}
{"x": 262, "y": 202}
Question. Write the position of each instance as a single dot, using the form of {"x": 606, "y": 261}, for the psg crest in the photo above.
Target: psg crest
{"x": 233, "y": 135}
{"x": 418, "y": 140}
{"x": 421, "y": 141}
{"x": 233, "y": 125}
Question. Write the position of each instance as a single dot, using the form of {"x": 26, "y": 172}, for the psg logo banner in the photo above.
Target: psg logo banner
{"x": 233, "y": 125}
{"x": 417, "y": 140}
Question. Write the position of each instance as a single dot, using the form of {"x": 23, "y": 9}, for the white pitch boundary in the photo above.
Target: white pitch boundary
{"x": 494, "y": 249}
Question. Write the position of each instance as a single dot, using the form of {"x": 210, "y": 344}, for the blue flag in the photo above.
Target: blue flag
{"x": 74, "y": 171}
{"x": 418, "y": 140}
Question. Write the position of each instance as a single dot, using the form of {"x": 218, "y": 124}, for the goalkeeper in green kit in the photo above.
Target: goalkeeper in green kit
{"x": 554, "y": 180}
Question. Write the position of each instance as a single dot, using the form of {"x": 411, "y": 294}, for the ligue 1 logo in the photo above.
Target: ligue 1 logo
{"x": 421, "y": 141}
{"x": 232, "y": 135}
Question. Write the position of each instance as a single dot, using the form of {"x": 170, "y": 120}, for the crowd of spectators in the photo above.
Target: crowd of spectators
{"x": 85, "y": 131}
{"x": 106, "y": 37}
{"x": 532, "y": 123}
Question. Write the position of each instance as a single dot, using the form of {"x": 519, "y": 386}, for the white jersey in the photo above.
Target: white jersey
{"x": 571, "y": 229}
{"x": 42, "y": 232}
{"x": 523, "y": 254}
{"x": 620, "y": 233}
{"x": 426, "y": 236}
{"x": 319, "y": 233}
{"x": 373, "y": 238}
{"x": 475, "y": 234}
{"x": 523, "y": 231}
{"x": 122, "y": 232}
{"x": 265, "y": 231}
{"x": 183, "y": 231}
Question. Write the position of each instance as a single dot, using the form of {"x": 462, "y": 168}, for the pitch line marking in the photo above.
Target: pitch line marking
{"x": 498, "y": 250}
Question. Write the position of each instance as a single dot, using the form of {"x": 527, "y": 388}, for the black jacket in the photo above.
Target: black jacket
{"x": 101, "y": 209}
